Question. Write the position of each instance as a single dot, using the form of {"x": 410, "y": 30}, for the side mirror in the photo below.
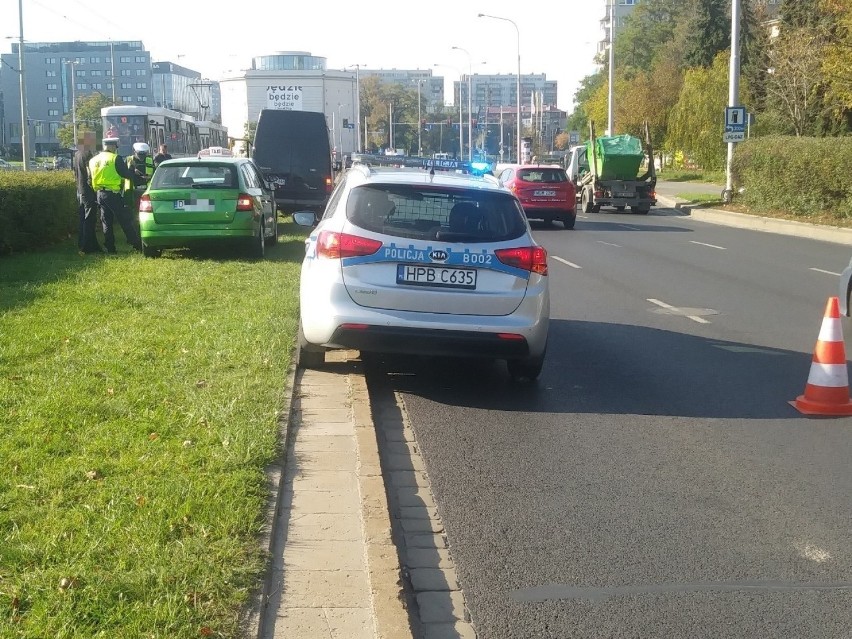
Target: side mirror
{"x": 305, "y": 218}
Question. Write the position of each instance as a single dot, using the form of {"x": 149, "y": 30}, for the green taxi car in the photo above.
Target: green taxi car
{"x": 208, "y": 199}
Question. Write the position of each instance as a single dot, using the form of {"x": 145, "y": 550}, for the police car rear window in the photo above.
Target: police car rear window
{"x": 428, "y": 212}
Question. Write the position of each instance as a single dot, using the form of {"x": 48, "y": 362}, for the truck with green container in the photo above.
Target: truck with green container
{"x": 606, "y": 172}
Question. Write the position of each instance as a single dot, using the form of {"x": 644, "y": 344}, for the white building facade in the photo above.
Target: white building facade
{"x": 293, "y": 80}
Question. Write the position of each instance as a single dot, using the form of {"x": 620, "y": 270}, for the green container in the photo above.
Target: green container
{"x": 617, "y": 157}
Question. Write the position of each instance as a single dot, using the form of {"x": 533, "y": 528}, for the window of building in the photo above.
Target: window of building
{"x": 126, "y": 98}
{"x": 53, "y": 111}
{"x": 124, "y": 58}
{"x": 141, "y": 72}
{"x": 79, "y": 60}
{"x": 38, "y": 127}
{"x": 96, "y": 72}
{"x": 50, "y": 60}
{"x": 97, "y": 86}
{"x": 50, "y": 74}
{"x": 80, "y": 73}
{"x": 142, "y": 98}
{"x": 126, "y": 85}
{"x": 83, "y": 86}
{"x": 141, "y": 85}
{"x": 52, "y": 99}
{"x": 126, "y": 72}
{"x": 52, "y": 87}
{"x": 95, "y": 60}
{"x": 141, "y": 58}
{"x": 53, "y": 127}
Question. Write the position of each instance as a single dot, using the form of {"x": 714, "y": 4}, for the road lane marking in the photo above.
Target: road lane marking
{"x": 814, "y": 553}
{"x": 632, "y": 228}
{"x": 694, "y": 318}
{"x": 609, "y": 244}
{"x": 819, "y": 270}
{"x": 721, "y": 248}
{"x": 571, "y": 264}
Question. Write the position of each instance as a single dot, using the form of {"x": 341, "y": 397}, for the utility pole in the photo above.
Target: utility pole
{"x": 733, "y": 92}
{"x": 25, "y": 120}
{"x": 611, "y": 109}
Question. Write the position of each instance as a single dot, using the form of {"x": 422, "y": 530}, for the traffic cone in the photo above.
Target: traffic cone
{"x": 827, "y": 390}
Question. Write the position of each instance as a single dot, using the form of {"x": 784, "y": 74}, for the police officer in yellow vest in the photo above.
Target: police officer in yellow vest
{"x": 107, "y": 169}
{"x": 142, "y": 165}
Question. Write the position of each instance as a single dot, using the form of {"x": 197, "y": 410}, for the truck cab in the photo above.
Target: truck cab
{"x": 577, "y": 164}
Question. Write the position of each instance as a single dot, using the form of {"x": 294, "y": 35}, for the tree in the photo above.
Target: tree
{"x": 579, "y": 119}
{"x": 696, "y": 124}
{"x": 796, "y": 77}
{"x": 711, "y": 33}
{"x": 648, "y": 32}
{"x": 88, "y": 114}
{"x": 837, "y": 55}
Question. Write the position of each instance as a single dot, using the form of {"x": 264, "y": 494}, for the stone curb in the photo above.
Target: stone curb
{"x": 387, "y": 591}
{"x": 833, "y": 234}
{"x": 252, "y": 625}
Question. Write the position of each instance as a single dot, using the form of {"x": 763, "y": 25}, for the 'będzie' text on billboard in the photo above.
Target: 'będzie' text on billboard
{"x": 285, "y": 97}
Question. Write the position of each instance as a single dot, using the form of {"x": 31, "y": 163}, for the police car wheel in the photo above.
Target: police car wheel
{"x": 147, "y": 251}
{"x": 258, "y": 243}
{"x": 525, "y": 370}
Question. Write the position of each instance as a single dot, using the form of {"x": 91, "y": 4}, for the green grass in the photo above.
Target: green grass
{"x": 694, "y": 175}
{"x": 702, "y": 199}
{"x": 139, "y": 402}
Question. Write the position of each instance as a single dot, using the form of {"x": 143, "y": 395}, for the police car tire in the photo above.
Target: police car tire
{"x": 309, "y": 356}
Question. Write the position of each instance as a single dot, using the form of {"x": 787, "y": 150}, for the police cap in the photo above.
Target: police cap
{"x": 110, "y": 141}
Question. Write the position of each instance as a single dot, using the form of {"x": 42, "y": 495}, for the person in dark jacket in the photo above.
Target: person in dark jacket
{"x": 107, "y": 170}
{"x": 87, "y": 203}
{"x": 162, "y": 155}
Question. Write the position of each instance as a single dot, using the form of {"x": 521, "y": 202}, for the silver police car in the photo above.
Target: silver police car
{"x": 414, "y": 260}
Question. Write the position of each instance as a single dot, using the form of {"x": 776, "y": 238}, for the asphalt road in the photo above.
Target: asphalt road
{"x": 655, "y": 482}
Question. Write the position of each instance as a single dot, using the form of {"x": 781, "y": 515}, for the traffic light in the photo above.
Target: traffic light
{"x": 345, "y": 123}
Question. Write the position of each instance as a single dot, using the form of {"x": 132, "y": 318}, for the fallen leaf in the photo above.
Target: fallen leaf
{"x": 110, "y": 391}
{"x": 187, "y": 443}
{"x": 201, "y": 383}
{"x": 205, "y": 631}
{"x": 153, "y": 436}
{"x": 93, "y": 474}
{"x": 140, "y": 500}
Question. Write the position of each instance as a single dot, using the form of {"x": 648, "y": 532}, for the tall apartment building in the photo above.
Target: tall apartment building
{"x": 120, "y": 70}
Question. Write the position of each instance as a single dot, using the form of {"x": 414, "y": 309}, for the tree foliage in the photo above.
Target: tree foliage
{"x": 696, "y": 124}
{"x": 88, "y": 113}
{"x": 837, "y": 54}
{"x": 711, "y": 31}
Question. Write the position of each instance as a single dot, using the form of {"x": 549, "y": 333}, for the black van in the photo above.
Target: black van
{"x": 292, "y": 149}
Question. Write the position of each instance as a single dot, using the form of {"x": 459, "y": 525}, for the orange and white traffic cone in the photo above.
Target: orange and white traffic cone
{"x": 827, "y": 390}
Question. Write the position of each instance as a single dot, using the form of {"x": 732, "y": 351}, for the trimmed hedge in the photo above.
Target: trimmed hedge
{"x": 803, "y": 176}
{"x": 37, "y": 209}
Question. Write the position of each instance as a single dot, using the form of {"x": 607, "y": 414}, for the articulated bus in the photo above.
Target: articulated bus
{"x": 212, "y": 134}
{"x": 154, "y": 125}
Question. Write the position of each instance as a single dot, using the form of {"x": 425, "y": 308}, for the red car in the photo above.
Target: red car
{"x": 545, "y": 192}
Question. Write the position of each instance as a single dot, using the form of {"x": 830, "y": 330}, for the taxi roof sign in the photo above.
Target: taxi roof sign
{"x": 215, "y": 151}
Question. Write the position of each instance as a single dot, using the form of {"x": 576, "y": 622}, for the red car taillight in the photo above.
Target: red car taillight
{"x": 145, "y": 205}
{"x": 244, "y": 202}
{"x": 334, "y": 245}
{"x": 529, "y": 258}
{"x": 329, "y": 184}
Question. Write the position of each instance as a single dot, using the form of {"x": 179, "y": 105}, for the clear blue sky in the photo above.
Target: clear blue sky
{"x": 556, "y": 38}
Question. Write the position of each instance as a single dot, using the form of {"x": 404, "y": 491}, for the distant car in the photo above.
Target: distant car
{"x": 5, "y": 166}
{"x": 545, "y": 192}
{"x": 210, "y": 199}
{"x": 408, "y": 262}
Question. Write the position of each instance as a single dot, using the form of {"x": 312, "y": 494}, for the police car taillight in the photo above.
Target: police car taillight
{"x": 333, "y": 245}
{"x": 244, "y": 202}
{"x": 529, "y": 258}
{"x": 145, "y": 205}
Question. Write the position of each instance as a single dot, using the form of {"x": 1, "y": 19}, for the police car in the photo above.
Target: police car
{"x": 423, "y": 260}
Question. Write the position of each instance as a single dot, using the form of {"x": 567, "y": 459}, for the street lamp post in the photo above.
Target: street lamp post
{"x": 25, "y": 121}
{"x": 419, "y": 120}
{"x": 73, "y": 100}
{"x": 610, "y": 108}
{"x": 469, "y": 104}
{"x": 518, "y": 32}
{"x": 358, "y": 102}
